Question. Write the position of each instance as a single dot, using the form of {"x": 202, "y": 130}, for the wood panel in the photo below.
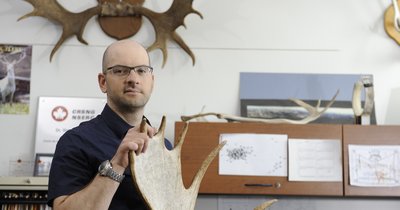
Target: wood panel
{"x": 368, "y": 135}
{"x": 201, "y": 138}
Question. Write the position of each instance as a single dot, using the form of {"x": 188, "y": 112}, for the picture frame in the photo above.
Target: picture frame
{"x": 42, "y": 164}
{"x": 267, "y": 96}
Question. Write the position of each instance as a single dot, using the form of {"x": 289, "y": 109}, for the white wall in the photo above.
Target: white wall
{"x": 292, "y": 36}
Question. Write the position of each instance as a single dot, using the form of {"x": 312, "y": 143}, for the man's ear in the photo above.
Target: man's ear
{"x": 101, "y": 78}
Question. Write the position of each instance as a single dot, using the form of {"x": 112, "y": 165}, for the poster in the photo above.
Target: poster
{"x": 15, "y": 78}
{"x": 56, "y": 115}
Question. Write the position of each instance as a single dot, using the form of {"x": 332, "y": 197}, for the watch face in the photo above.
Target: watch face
{"x": 104, "y": 167}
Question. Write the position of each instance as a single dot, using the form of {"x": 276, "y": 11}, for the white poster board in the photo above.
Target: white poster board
{"x": 56, "y": 115}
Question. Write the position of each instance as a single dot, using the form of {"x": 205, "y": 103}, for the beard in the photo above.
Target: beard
{"x": 127, "y": 104}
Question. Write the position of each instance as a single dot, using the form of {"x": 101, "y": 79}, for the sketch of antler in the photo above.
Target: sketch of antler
{"x": 164, "y": 23}
{"x": 158, "y": 176}
{"x": 314, "y": 113}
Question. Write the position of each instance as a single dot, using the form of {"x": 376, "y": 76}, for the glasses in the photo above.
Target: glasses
{"x": 123, "y": 71}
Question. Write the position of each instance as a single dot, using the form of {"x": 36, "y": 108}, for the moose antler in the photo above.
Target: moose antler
{"x": 72, "y": 23}
{"x": 314, "y": 113}
{"x": 158, "y": 176}
{"x": 164, "y": 23}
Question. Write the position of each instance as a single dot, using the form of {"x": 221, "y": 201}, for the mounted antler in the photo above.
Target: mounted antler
{"x": 314, "y": 113}
{"x": 164, "y": 23}
{"x": 72, "y": 23}
{"x": 158, "y": 176}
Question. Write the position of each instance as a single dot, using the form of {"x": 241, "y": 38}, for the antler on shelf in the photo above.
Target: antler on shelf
{"x": 158, "y": 176}
{"x": 314, "y": 113}
{"x": 164, "y": 23}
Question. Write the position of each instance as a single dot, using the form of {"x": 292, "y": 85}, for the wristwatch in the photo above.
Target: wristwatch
{"x": 105, "y": 169}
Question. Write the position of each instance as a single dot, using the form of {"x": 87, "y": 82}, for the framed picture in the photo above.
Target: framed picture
{"x": 266, "y": 96}
{"x": 42, "y": 164}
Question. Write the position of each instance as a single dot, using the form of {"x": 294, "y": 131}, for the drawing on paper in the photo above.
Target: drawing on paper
{"x": 377, "y": 166}
{"x": 253, "y": 155}
{"x": 239, "y": 153}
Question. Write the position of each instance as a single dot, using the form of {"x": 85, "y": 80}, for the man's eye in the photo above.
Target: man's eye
{"x": 118, "y": 71}
{"x": 141, "y": 71}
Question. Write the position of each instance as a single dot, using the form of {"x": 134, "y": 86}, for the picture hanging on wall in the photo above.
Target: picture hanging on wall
{"x": 267, "y": 96}
{"x": 15, "y": 78}
{"x": 42, "y": 164}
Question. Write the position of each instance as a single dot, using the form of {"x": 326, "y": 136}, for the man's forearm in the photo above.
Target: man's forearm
{"x": 97, "y": 195}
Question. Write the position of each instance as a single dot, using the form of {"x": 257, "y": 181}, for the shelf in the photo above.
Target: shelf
{"x": 201, "y": 138}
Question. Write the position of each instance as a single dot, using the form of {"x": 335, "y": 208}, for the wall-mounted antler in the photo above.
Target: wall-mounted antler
{"x": 164, "y": 23}
{"x": 314, "y": 113}
{"x": 72, "y": 23}
{"x": 158, "y": 176}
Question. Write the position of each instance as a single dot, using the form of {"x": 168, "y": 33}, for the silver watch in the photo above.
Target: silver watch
{"x": 105, "y": 169}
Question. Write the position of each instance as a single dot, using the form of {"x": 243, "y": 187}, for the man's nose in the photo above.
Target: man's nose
{"x": 132, "y": 76}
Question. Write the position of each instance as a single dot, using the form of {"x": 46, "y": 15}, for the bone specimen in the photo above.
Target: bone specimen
{"x": 314, "y": 113}
{"x": 157, "y": 174}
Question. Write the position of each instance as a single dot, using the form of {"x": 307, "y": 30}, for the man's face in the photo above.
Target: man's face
{"x": 130, "y": 92}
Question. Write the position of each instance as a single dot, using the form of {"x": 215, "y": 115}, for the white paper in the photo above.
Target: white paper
{"x": 315, "y": 160}
{"x": 253, "y": 155}
{"x": 56, "y": 115}
{"x": 374, "y": 165}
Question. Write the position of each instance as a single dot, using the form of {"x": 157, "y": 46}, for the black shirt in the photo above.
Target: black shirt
{"x": 80, "y": 151}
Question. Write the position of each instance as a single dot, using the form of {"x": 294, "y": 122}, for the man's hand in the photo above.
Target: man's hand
{"x": 136, "y": 139}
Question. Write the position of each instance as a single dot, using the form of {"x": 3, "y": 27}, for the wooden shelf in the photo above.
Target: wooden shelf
{"x": 201, "y": 138}
{"x": 23, "y": 183}
{"x": 368, "y": 135}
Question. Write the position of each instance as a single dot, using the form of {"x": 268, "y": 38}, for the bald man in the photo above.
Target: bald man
{"x": 90, "y": 166}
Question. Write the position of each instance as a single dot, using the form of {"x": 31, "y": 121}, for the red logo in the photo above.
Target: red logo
{"x": 59, "y": 113}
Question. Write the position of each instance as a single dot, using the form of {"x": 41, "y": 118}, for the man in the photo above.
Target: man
{"x": 90, "y": 168}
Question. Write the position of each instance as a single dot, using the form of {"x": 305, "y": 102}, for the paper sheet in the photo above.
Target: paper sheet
{"x": 253, "y": 155}
{"x": 374, "y": 166}
{"x": 315, "y": 160}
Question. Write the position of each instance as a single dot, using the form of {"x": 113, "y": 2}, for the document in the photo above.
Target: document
{"x": 374, "y": 165}
{"x": 253, "y": 155}
{"x": 315, "y": 160}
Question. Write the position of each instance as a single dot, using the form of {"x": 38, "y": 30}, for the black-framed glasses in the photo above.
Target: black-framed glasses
{"x": 123, "y": 71}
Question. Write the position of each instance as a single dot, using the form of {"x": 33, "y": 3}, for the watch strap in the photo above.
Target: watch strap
{"x": 106, "y": 169}
{"x": 115, "y": 176}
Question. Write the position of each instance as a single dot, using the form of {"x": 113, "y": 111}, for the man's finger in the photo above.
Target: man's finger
{"x": 143, "y": 128}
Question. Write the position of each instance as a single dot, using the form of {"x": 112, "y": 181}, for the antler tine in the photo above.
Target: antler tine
{"x": 162, "y": 47}
{"x": 161, "y": 129}
{"x": 265, "y": 205}
{"x": 72, "y": 23}
{"x": 203, "y": 168}
{"x": 183, "y": 45}
{"x": 187, "y": 118}
{"x": 181, "y": 138}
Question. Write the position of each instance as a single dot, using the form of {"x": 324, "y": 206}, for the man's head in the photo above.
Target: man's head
{"x": 127, "y": 90}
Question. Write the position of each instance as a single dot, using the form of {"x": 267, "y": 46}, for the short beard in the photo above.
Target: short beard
{"x": 129, "y": 106}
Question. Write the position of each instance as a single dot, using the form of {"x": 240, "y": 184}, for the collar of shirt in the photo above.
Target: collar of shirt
{"x": 116, "y": 123}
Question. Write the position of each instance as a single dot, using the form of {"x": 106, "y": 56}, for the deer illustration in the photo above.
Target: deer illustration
{"x": 7, "y": 84}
